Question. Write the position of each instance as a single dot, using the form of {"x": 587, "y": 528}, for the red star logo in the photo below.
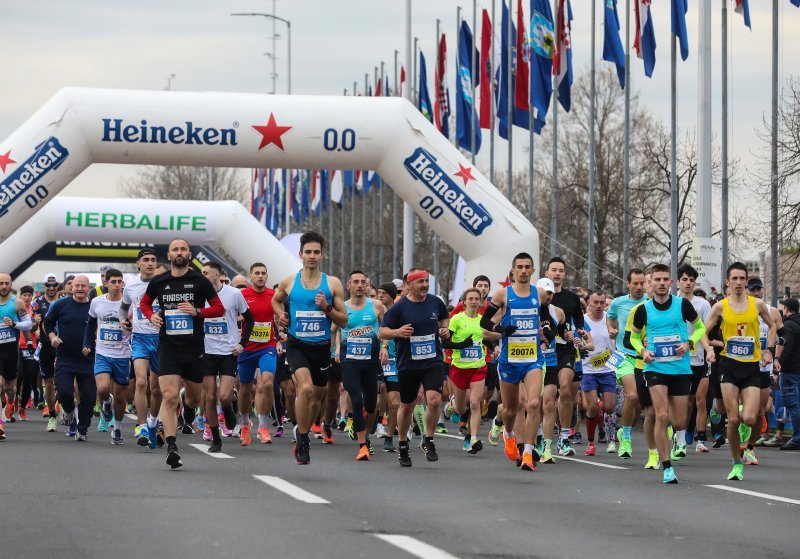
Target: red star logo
{"x": 506, "y": 282}
{"x": 465, "y": 173}
{"x": 271, "y": 133}
{"x": 5, "y": 160}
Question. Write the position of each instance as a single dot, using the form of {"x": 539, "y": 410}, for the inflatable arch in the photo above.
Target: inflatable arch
{"x": 78, "y": 127}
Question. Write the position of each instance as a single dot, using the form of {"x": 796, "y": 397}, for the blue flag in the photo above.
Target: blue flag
{"x": 795, "y": 2}
{"x": 285, "y": 190}
{"x": 679, "y": 9}
{"x": 612, "y": 44}
{"x": 425, "y": 106}
{"x": 542, "y": 41}
{"x": 466, "y": 115}
{"x": 275, "y": 214}
{"x": 296, "y": 195}
{"x": 506, "y": 82}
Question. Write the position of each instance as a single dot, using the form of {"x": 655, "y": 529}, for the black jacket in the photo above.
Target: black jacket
{"x": 790, "y": 356}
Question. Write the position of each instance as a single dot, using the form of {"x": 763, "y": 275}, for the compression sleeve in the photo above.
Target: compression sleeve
{"x": 124, "y": 308}
{"x": 699, "y": 330}
{"x": 146, "y": 305}
{"x": 89, "y": 332}
{"x": 635, "y": 341}
{"x": 24, "y": 324}
{"x": 486, "y": 319}
{"x": 214, "y": 309}
{"x": 247, "y": 328}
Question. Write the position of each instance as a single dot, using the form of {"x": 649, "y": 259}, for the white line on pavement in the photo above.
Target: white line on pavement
{"x": 756, "y": 494}
{"x": 131, "y": 416}
{"x": 459, "y": 437}
{"x": 292, "y": 490}
{"x": 600, "y": 464}
{"x": 204, "y": 449}
{"x": 415, "y": 547}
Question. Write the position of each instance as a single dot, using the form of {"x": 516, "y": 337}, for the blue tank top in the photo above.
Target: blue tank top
{"x": 360, "y": 337}
{"x": 522, "y": 347}
{"x": 8, "y": 334}
{"x": 307, "y": 322}
{"x": 666, "y": 330}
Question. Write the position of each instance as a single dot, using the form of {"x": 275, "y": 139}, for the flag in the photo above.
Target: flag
{"x": 275, "y": 207}
{"x": 679, "y": 9}
{"x": 505, "y": 83}
{"x": 285, "y": 195}
{"x": 795, "y": 2}
{"x": 348, "y": 181}
{"x": 466, "y": 115}
{"x": 645, "y": 40}
{"x": 378, "y": 88}
{"x": 522, "y": 77}
{"x": 424, "y": 98}
{"x": 743, "y": 7}
{"x": 441, "y": 109}
{"x": 305, "y": 202}
{"x": 254, "y": 192}
{"x": 612, "y": 44}
{"x": 543, "y": 44}
{"x": 562, "y": 60}
{"x": 401, "y": 93}
{"x": 264, "y": 198}
{"x": 486, "y": 72}
{"x": 296, "y": 195}
{"x": 336, "y": 186}
{"x": 316, "y": 192}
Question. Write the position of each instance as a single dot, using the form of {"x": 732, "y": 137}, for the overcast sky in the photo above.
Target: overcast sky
{"x": 49, "y": 44}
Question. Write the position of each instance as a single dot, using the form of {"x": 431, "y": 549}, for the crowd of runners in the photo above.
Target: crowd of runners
{"x": 529, "y": 364}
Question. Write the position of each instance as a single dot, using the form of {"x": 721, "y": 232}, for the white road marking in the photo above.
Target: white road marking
{"x": 204, "y": 449}
{"x": 757, "y": 494}
{"x": 415, "y": 547}
{"x": 292, "y": 490}
{"x": 459, "y": 437}
{"x": 131, "y": 416}
{"x": 600, "y": 464}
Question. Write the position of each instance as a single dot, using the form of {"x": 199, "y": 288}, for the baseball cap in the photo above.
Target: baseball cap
{"x": 106, "y": 267}
{"x": 146, "y": 251}
{"x": 546, "y": 284}
{"x": 792, "y": 304}
{"x": 755, "y": 283}
{"x": 50, "y": 275}
{"x": 389, "y": 288}
{"x": 398, "y": 283}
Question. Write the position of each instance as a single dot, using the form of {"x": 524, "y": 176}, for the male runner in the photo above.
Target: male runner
{"x": 182, "y": 294}
{"x": 28, "y": 378}
{"x": 315, "y": 301}
{"x": 13, "y": 320}
{"x": 223, "y": 344}
{"x": 47, "y": 355}
{"x": 387, "y": 292}
{"x": 416, "y": 323}
{"x": 667, "y": 369}
{"x": 110, "y": 341}
{"x": 740, "y": 376}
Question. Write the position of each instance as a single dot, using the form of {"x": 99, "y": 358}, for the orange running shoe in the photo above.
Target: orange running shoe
{"x": 527, "y": 462}
{"x": 363, "y": 453}
{"x": 23, "y": 414}
{"x": 45, "y": 411}
{"x": 512, "y": 452}
{"x": 316, "y": 428}
{"x": 58, "y": 407}
{"x": 244, "y": 435}
{"x": 263, "y": 435}
{"x": 8, "y": 412}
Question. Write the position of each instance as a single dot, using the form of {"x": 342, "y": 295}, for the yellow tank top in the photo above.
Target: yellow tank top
{"x": 740, "y": 332}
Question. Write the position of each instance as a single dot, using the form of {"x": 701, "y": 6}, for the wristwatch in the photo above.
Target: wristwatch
{"x": 329, "y": 308}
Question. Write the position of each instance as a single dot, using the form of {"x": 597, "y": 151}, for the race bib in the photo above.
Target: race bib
{"x": 522, "y": 349}
{"x": 423, "y": 347}
{"x": 763, "y": 342}
{"x": 525, "y": 319}
{"x": 309, "y": 324}
{"x": 599, "y": 361}
{"x": 177, "y": 323}
{"x": 138, "y": 315}
{"x": 666, "y": 348}
{"x": 616, "y": 359}
{"x": 742, "y": 347}
{"x": 7, "y": 334}
{"x": 390, "y": 369}
{"x": 262, "y": 332}
{"x": 472, "y": 353}
{"x": 359, "y": 349}
{"x": 26, "y": 354}
{"x": 216, "y": 327}
{"x": 110, "y": 335}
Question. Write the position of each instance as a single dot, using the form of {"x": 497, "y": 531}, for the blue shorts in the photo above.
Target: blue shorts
{"x": 118, "y": 367}
{"x": 265, "y": 360}
{"x": 551, "y": 359}
{"x": 515, "y": 373}
{"x": 601, "y": 382}
{"x": 145, "y": 346}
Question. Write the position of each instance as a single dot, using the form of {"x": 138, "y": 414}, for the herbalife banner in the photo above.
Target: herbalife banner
{"x": 707, "y": 260}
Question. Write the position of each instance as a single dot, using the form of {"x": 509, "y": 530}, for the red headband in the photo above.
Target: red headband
{"x": 421, "y": 274}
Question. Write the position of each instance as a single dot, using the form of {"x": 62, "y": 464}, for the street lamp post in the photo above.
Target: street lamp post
{"x": 289, "y": 38}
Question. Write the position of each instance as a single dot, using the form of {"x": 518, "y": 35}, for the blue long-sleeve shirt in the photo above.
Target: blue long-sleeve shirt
{"x": 67, "y": 318}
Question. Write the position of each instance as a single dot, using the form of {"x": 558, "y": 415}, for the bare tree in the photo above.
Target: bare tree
{"x": 187, "y": 183}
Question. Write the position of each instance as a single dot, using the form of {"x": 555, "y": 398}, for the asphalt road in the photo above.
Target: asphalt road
{"x": 61, "y": 498}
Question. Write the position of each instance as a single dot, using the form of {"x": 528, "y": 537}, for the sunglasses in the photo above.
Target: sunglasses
{"x": 51, "y": 284}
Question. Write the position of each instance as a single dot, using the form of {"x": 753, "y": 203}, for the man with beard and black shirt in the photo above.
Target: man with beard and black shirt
{"x": 182, "y": 293}
{"x": 47, "y": 355}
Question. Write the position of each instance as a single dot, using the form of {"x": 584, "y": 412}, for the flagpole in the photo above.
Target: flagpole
{"x": 773, "y": 253}
{"x": 353, "y": 210}
{"x": 626, "y": 172}
{"x": 289, "y": 190}
{"x": 364, "y": 187}
{"x": 511, "y": 99}
{"x": 724, "y": 142}
{"x": 436, "y": 246}
{"x": 592, "y": 186}
{"x": 341, "y": 229}
{"x": 395, "y": 220}
{"x": 554, "y": 178}
{"x": 380, "y": 196}
{"x": 704, "y": 70}
{"x": 472, "y": 115}
{"x": 673, "y": 164}
{"x": 491, "y": 100}
{"x": 408, "y": 213}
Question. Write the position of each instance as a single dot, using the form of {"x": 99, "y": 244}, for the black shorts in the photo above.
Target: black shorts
{"x": 335, "y": 372}
{"x": 186, "y": 361}
{"x": 742, "y": 374}
{"x": 132, "y": 372}
{"x": 8, "y": 361}
{"x": 645, "y": 400}
{"x": 699, "y": 372}
{"x": 392, "y": 386}
{"x": 47, "y": 362}
{"x": 551, "y": 376}
{"x": 222, "y": 365}
{"x": 314, "y": 357}
{"x": 566, "y": 356}
{"x": 713, "y": 379}
{"x": 410, "y": 380}
{"x": 282, "y": 369}
{"x": 677, "y": 385}
{"x": 766, "y": 379}
{"x": 492, "y": 378}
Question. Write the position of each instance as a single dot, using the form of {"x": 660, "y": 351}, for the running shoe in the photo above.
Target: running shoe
{"x": 611, "y": 448}
{"x": 737, "y": 473}
{"x": 700, "y": 446}
{"x": 244, "y": 435}
{"x": 107, "y": 409}
{"x": 224, "y": 430}
{"x": 590, "y": 450}
{"x": 45, "y": 411}
{"x": 342, "y": 424}
{"x": 475, "y": 447}
{"x": 80, "y": 437}
{"x": 369, "y": 446}
{"x": 363, "y": 453}
{"x": 215, "y": 446}
{"x": 678, "y": 452}
{"x": 441, "y": 429}
{"x": 577, "y": 438}
{"x": 96, "y": 410}
{"x": 625, "y": 451}
{"x": 388, "y": 446}
{"x": 136, "y": 429}
{"x": 116, "y": 437}
{"x": 403, "y": 456}
{"x": 23, "y": 414}
{"x": 750, "y": 457}
{"x": 744, "y": 432}
{"x": 187, "y": 429}
{"x": 527, "y": 462}
{"x": 351, "y": 431}
{"x": 410, "y": 433}
{"x": 152, "y": 437}
{"x": 207, "y": 435}
{"x": 466, "y": 445}
{"x": 719, "y": 441}
{"x": 450, "y": 408}
{"x": 564, "y": 448}
{"x": 143, "y": 439}
{"x": 348, "y": 425}
{"x": 455, "y": 417}
{"x": 652, "y": 460}
{"x": 201, "y": 423}
{"x": 279, "y": 432}
{"x": 669, "y": 475}
{"x": 263, "y": 435}
{"x": 327, "y": 434}
{"x": 102, "y": 425}
{"x": 601, "y": 436}
{"x": 52, "y": 425}
{"x": 462, "y": 428}
{"x": 774, "y": 441}
{"x": 670, "y": 432}
{"x": 494, "y": 434}
{"x": 547, "y": 454}
{"x": 512, "y": 452}
{"x": 380, "y": 431}
{"x": 430, "y": 450}
{"x": 316, "y": 429}
{"x": 301, "y": 450}
{"x": 174, "y": 459}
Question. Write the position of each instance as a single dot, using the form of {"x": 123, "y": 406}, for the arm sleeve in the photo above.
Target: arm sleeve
{"x": 699, "y": 330}
{"x": 688, "y": 311}
{"x": 634, "y": 341}
{"x": 214, "y": 309}
{"x": 89, "y": 331}
{"x": 24, "y": 324}
{"x": 146, "y": 305}
{"x": 247, "y": 327}
{"x": 577, "y": 315}
{"x": 450, "y": 344}
{"x": 640, "y": 317}
{"x": 486, "y": 319}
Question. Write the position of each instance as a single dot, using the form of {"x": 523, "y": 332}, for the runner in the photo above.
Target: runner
{"x": 387, "y": 292}
{"x": 64, "y": 324}
{"x": 521, "y": 362}
{"x": 13, "y": 320}
{"x": 740, "y": 376}
{"x": 110, "y": 341}
{"x": 47, "y": 355}
{"x": 315, "y": 300}
{"x": 667, "y": 369}
{"x": 553, "y": 321}
{"x": 182, "y": 294}
{"x": 223, "y": 344}
{"x": 599, "y": 380}
{"x": 416, "y": 323}
{"x": 27, "y": 389}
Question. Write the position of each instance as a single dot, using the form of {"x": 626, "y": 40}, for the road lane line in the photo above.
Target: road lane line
{"x": 459, "y": 437}
{"x": 204, "y": 449}
{"x": 415, "y": 547}
{"x": 292, "y": 490}
{"x": 756, "y": 494}
{"x": 131, "y": 416}
{"x": 599, "y": 464}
